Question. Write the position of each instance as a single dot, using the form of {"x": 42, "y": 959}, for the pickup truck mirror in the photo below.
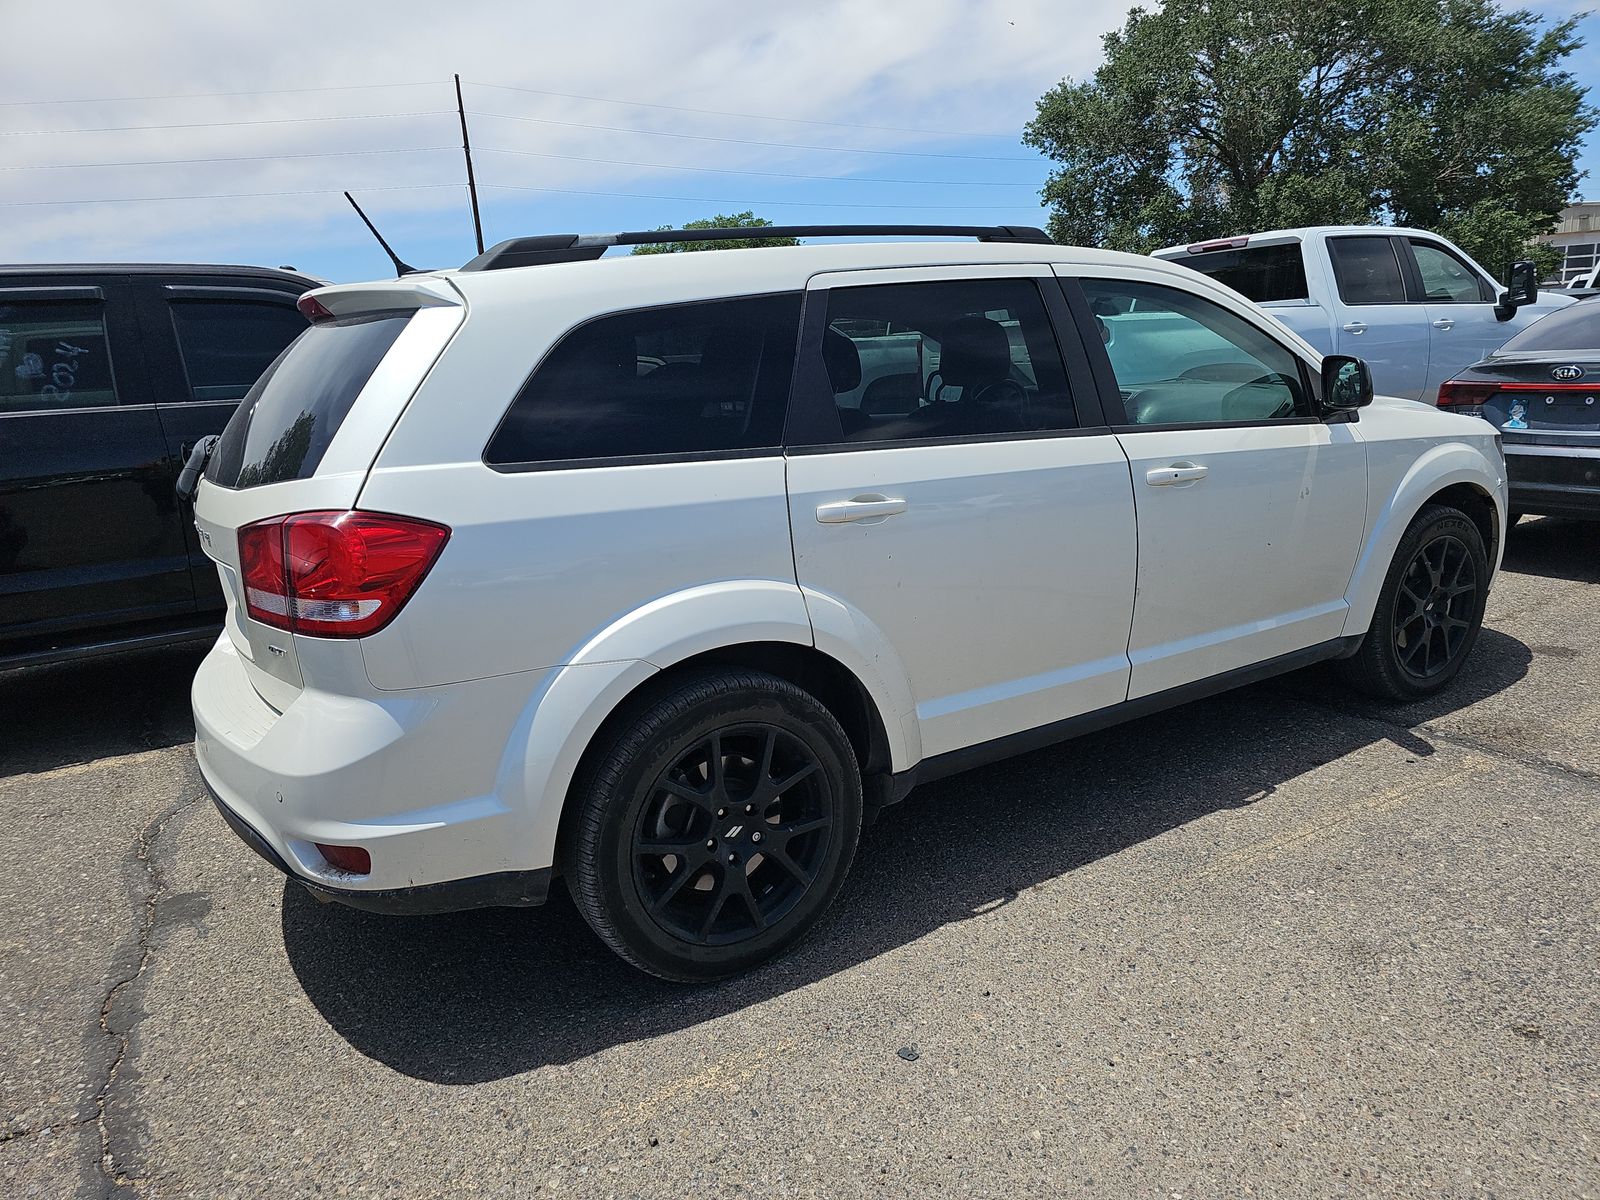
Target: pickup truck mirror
{"x": 1346, "y": 384}
{"x": 1522, "y": 287}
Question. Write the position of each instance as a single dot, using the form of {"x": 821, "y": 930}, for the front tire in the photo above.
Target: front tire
{"x": 717, "y": 822}
{"x": 1429, "y": 611}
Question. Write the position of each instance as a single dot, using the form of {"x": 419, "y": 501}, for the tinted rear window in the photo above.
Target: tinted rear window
{"x": 1261, "y": 273}
{"x": 1367, "y": 270}
{"x": 1576, "y": 327}
{"x": 226, "y": 344}
{"x": 283, "y": 426}
{"x": 676, "y": 380}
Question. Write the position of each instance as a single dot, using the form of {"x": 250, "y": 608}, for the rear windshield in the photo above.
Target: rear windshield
{"x": 1260, "y": 273}
{"x": 1576, "y": 327}
{"x": 282, "y": 427}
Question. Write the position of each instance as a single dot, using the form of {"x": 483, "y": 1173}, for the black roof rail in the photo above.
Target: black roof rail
{"x": 577, "y": 247}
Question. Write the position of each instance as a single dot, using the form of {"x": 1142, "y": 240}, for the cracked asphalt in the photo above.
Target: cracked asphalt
{"x": 1279, "y": 943}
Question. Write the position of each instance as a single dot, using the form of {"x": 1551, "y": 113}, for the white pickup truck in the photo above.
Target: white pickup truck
{"x": 1415, "y": 307}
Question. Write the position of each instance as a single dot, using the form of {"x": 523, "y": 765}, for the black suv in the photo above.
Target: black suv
{"x": 108, "y": 376}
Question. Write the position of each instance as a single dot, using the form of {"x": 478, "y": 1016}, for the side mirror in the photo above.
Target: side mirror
{"x": 1522, "y": 287}
{"x": 1346, "y": 384}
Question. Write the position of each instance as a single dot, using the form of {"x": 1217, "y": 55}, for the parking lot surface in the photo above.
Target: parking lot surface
{"x": 1278, "y": 943}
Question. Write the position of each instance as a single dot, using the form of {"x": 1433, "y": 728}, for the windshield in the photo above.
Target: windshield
{"x": 1576, "y": 327}
{"x": 283, "y": 426}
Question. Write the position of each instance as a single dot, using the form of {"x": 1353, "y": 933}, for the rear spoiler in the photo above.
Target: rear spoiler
{"x": 399, "y": 295}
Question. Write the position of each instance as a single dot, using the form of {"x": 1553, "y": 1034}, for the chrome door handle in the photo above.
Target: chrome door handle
{"x": 1444, "y": 323}
{"x": 1356, "y": 327}
{"x": 872, "y": 507}
{"x": 1177, "y": 475}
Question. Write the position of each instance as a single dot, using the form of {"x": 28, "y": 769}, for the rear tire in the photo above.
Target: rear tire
{"x": 717, "y": 822}
{"x": 1429, "y": 611}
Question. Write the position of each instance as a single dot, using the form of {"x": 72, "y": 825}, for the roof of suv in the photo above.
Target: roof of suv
{"x": 113, "y": 268}
{"x": 771, "y": 269}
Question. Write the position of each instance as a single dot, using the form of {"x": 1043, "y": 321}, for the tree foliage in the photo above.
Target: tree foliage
{"x": 1217, "y": 117}
{"x": 744, "y": 220}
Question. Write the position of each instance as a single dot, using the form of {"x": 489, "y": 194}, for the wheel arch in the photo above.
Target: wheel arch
{"x": 1454, "y": 474}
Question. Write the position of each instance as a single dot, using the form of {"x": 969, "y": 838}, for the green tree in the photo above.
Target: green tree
{"x": 1217, "y": 117}
{"x": 744, "y": 220}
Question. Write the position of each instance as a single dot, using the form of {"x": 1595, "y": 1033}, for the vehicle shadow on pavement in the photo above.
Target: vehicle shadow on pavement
{"x": 1555, "y": 548}
{"x": 471, "y": 997}
{"x": 56, "y": 716}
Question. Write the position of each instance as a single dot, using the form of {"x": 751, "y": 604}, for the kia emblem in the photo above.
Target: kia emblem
{"x": 1566, "y": 374}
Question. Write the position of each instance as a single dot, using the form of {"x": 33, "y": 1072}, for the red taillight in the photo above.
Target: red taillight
{"x": 313, "y": 310}
{"x": 335, "y": 574}
{"x": 346, "y": 858}
{"x": 1453, "y": 393}
{"x": 1233, "y": 243}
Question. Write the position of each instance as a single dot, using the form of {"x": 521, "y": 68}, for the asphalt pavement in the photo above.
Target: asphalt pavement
{"x": 1279, "y": 943}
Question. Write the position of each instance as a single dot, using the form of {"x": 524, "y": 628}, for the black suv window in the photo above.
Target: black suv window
{"x": 675, "y": 380}
{"x": 54, "y": 355}
{"x": 1367, "y": 270}
{"x": 283, "y": 427}
{"x": 226, "y": 344}
{"x": 955, "y": 358}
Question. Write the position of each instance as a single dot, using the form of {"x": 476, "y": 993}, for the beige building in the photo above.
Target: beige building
{"x": 1577, "y": 234}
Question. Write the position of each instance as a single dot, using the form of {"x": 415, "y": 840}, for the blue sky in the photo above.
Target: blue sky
{"x": 623, "y": 114}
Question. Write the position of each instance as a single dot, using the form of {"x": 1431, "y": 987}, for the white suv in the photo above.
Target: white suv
{"x": 658, "y": 572}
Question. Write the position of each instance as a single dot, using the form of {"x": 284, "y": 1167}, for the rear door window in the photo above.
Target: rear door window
{"x": 227, "y": 344}
{"x": 946, "y": 359}
{"x": 54, "y": 355}
{"x": 1261, "y": 273}
{"x": 284, "y": 425}
{"x": 1367, "y": 270}
{"x": 681, "y": 379}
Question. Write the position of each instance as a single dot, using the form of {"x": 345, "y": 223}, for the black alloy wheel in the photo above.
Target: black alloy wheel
{"x": 734, "y": 833}
{"x": 1429, "y": 609}
{"x": 716, "y": 818}
{"x": 1435, "y": 607}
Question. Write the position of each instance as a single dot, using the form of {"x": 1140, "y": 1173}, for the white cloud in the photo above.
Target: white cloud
{"x": 972, "y": 68}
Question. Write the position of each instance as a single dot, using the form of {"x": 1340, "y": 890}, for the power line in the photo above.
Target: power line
{"x": 718, "y": 112}
{"x": 348, "y": 87}
{"x": 405, "y": 187}
{"x": 623, "y": 162}
{"x": 700, "y": 137}
{"x": 754, "y": 203}
{"x": 432, "y": 112}
{"x": 182, "y": 162}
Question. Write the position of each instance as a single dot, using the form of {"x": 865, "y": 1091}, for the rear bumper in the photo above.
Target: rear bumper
{"x": 507, "y": 889}
{"x": 412, "y": 778}
{"x": 1554, "y": 480}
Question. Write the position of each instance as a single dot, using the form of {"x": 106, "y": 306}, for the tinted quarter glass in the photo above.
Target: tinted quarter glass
{"x": 1576, "y": 327}
{"x": 958, "y": 358}
{"x": 1367, "y": 270}
{"x": 1261, "y": 273}
{"x": 1445, "y": 278}
{"x": 54, "y": 355}
{"x": 1179, "y": 359}
{"x": 227, "y": 344}
{"x": 680, "y": 379}
{"x": 282, "y": 428}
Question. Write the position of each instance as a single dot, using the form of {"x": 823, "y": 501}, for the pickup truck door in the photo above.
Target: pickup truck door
{"x": 1375, "y": 318}
{"x": 1250, "y": 509}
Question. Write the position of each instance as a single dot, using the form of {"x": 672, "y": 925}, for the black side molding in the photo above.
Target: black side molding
{"x": 955, "y": 761}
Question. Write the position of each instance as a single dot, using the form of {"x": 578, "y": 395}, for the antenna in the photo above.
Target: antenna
{"x": 472, "y": 185}
{"x": 400, "y": 268}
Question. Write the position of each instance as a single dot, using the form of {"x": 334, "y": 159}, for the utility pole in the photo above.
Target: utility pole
{"x": 472, "y": 184}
